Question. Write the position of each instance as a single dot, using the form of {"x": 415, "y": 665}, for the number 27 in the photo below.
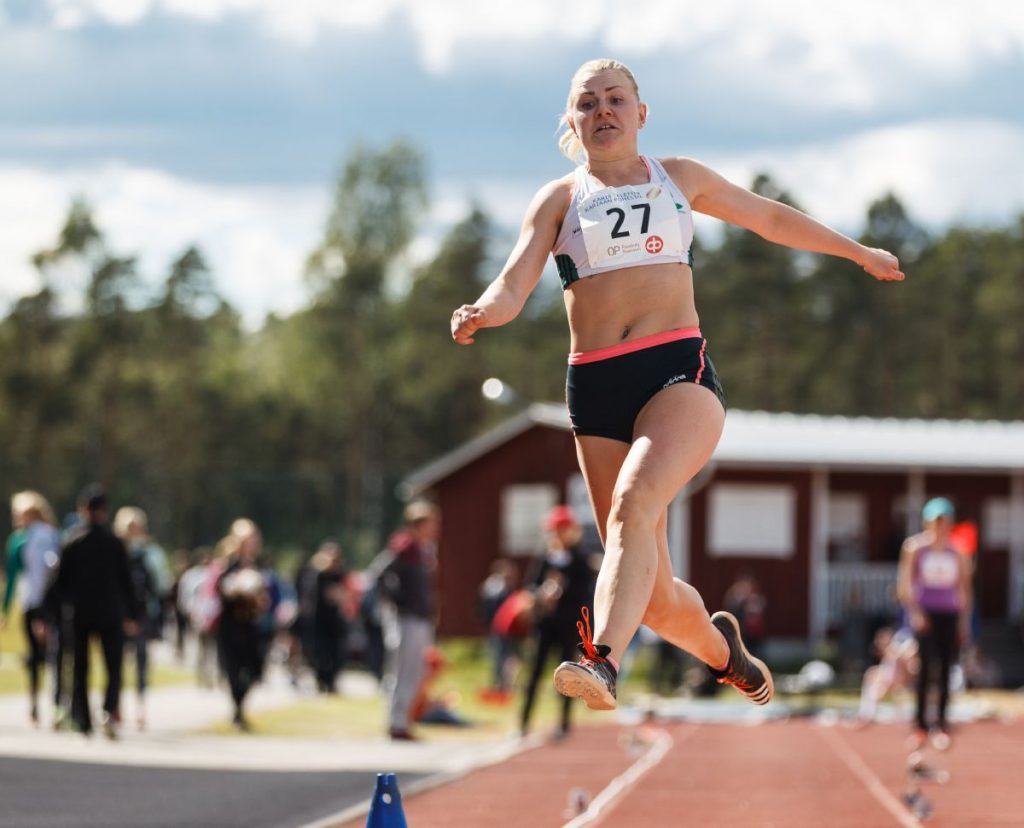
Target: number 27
{"x": 617, "y": 231}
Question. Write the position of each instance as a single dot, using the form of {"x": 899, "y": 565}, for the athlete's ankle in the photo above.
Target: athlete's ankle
{"x": 607, "y": 656}
{"x": 722, "y": 665}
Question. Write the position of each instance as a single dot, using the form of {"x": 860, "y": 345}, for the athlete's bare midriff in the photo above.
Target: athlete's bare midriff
{"x": 611, "y": 308}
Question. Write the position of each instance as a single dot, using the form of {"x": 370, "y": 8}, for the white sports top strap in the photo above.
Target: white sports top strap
{"x": 609, "y": 228}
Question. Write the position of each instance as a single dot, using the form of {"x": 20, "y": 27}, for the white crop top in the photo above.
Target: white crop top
{"x": 614, "y": 227}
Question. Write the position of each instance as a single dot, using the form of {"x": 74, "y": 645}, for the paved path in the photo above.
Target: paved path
{"x": 171, "y": 774}
{"x": 53, "y": 793}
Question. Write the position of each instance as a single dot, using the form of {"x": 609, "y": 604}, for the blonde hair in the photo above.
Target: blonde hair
{"x": 243, "y": 528}
{"x": 33, "y": 504}
{"x": 419, "y": 510}
{"x": 568, "y": 142}
{"x": 242, "y": 531}
{"x": 127, "y": 517}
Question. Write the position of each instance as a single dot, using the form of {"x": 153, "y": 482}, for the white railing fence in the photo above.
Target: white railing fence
{"x": 868, "y": 588}
{"x": 1017, "y": 594}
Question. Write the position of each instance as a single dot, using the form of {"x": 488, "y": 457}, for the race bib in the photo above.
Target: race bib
{"x": 939, "y": 570}
{"x": 625, "y": 226}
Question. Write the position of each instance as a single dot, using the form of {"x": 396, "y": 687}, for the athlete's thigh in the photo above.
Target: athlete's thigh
{"x": 600, "y": 460}
{"x": 674, "y": 436}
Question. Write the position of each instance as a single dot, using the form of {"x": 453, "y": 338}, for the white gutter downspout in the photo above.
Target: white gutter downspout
{"x": 818, "y": 563}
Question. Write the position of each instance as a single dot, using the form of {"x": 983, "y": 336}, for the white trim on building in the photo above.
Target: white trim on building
{"x": 1016, "y": 580}
{"x": 759, "y": 438}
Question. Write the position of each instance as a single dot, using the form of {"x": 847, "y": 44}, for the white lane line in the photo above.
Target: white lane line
{"x": 859, "y": 769}
{"x": 621, "y": 783}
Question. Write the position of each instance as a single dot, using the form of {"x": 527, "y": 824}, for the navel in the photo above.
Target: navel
{"x": 625, "y": 332}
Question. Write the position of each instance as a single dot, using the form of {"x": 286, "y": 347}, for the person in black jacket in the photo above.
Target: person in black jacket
{"x": 94, "y": 580}
{"x": 330, "y": 621}
{"x": 562, "y": 581}
{"x": 244, "y": 598}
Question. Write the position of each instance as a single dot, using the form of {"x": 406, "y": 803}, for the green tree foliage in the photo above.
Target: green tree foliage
{"x": 755, "y": 310}
{"x": 352, "y": 322}
{"x": 861, "y": 325}
{"x": 308, "y": 424}
{"x": 435, "y": 385}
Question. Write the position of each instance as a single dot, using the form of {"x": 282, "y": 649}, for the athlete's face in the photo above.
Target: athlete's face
{"x": 940, "y": 526}
{"x": 606, "y": 112}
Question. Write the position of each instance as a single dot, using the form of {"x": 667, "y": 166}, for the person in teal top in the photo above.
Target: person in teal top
{"x": 13, "y": 549}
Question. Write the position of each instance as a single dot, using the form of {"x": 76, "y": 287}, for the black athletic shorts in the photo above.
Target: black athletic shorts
{"x": 606, "y": 389}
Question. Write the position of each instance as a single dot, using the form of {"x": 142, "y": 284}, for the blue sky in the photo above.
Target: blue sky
{"x": 224, "y": 122}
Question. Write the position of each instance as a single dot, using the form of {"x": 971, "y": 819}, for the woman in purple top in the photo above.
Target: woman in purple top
{"x": 934, "y": 585}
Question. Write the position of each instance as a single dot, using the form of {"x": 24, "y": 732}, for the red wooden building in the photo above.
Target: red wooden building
{"x": 814, "y": 507}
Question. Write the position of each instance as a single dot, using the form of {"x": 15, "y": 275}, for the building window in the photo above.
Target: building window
{"x": 579, "y": 500}
{"x": 523, "y": 508}
{"x": 751, "y": 520}
{"x": 995, "y": 522}
{"x": 847, "y": 527}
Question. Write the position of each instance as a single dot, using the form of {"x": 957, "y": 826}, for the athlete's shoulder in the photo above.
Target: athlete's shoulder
{"x": 689, "y": 175}
{"x": 553, "y": 198}
{"x": 915, "y": 542}
{"x": 559, "y": 189}
{"x": 682, "y": 168}
{"x": 681, "y": 163}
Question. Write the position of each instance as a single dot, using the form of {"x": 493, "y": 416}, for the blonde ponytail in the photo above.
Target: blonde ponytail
{"x": 569, "y": 143}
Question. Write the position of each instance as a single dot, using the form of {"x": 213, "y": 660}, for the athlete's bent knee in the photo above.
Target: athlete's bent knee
{"x": 635, "y": 504}
{"x": 655, "y": 614}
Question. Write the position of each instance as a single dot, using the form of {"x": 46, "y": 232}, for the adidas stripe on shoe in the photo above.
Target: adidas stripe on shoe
{"x": 747, "y": 674}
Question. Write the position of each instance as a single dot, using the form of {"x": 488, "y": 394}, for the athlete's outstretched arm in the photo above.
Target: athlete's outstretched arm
{"x": 713, "y": 195}
{"x": 504, "y": 298}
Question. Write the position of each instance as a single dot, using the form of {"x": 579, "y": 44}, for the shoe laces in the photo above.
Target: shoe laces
{"x": 739, "y": 682}
{"x": 737, "y": 679}
{"x": 591, "y": 652}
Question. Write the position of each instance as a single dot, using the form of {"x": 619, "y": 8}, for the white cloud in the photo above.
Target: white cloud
{"x": 72, "y": 13}
{"x": 22, "y": 138}
{"x": 254, "y": 238}
{"x": 937, "y": 168}
{"x": 847, "y": 45}
{"x": 68, "y": 17}
{"x": 31, "y": 208}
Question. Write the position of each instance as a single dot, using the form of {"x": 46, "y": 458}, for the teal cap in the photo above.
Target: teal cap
{"x": 937, "y": 507}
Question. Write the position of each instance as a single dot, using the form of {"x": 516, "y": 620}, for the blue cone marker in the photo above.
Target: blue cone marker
{"x": 386, "y": 808}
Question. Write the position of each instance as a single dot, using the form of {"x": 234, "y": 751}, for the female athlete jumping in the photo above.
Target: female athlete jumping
{"x": 644, "y": 399}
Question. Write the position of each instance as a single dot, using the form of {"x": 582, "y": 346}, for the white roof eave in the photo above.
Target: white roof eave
{"x": 767, "y": 440}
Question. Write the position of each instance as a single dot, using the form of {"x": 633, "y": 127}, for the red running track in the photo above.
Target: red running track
{"x": 792, "y": 774}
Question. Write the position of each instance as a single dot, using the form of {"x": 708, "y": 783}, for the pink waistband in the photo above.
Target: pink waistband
{"x": 581, "y": 357}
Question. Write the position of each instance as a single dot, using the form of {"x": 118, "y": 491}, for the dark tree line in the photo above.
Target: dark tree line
{"x": 308, "y": 424}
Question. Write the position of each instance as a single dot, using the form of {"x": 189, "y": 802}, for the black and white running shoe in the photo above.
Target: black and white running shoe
{"x": 747, "y": 674}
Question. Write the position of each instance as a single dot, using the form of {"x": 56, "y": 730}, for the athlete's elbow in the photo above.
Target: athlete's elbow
{"x": 779, "y": 223}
